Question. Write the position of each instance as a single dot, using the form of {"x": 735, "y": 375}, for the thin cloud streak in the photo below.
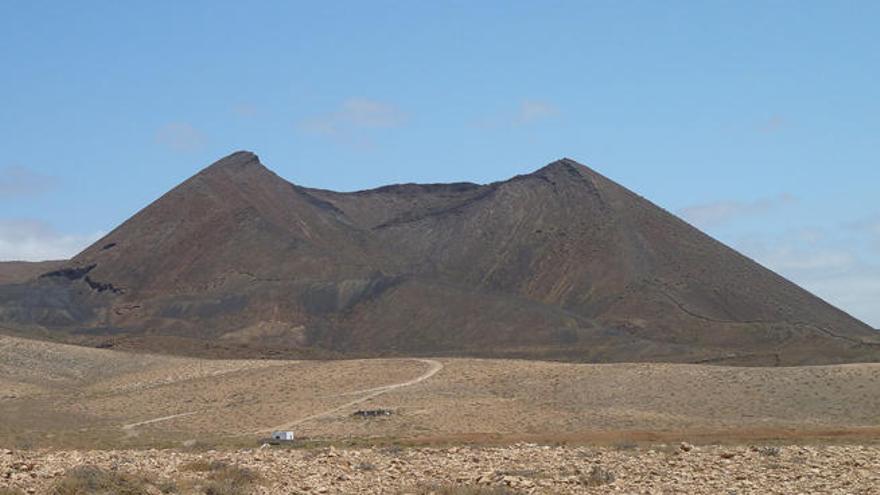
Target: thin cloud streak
{"x": 773, "y": 124}
{"x": 531, "y": 111}
{"x": 34, "y": 240}
{"x": 181, "y": 137}
{"x": 17, "y": 181}
{"x": 245, "y": 110}
{"x": 526, "y": 113}
{"x": 355, "y": 122}
{"x": 721, "y": 212}
{"x": 870, "y": 228}
{"x": 829, "y": 267}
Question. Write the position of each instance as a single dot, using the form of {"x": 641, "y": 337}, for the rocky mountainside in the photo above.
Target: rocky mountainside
{"x": 561, "y": 263}
{"x": 12, "y": 272}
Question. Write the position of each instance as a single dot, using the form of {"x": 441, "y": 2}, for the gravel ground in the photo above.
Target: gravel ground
{"x": 520, "y": 468}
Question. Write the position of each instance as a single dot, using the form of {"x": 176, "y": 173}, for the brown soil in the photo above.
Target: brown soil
{"x": 514, "y": 469}
{"x": 65, "y": 396}
{"x": 559, "y": 264}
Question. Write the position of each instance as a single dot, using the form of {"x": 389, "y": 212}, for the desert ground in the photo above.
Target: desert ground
{"x": 471, "y": 470}
{"x": 64, "y": 406}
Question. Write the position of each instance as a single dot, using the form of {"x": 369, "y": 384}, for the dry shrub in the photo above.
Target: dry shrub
{"x": 91, "y": 480}
{"x": 391, "y": 450}
{"x": 522, "y": 473}
{"x": 462, "y": 490}
{"x": 202, "y": 466}
{"x": 10, "y": 491}
{"x": 770, "y": 451}
{"x": 598, "y": 476}
{"x": 231, "y": 480}
{"x": 311, "y": 454}
{"x": 168, "y": 486}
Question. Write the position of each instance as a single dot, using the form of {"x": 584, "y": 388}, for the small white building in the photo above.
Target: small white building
{"x": 283, "y": 436}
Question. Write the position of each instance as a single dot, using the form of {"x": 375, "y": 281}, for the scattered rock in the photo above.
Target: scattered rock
{"x": 598, "y": 476}
{"x": 769, "y": 451}
{"x": 525, "y": 469}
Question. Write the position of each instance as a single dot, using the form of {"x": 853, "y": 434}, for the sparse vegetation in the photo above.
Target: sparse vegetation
{"x": 770, "y": 451}
{"x": 462, "y": 490}
{"x": 523, "y": 473}
{"x": 231, "y": 480}
{"x": 598, "y": 476}
{"x": 626, "y": 446}
{"x": 223, "y": 478}
{"x": 473, "y": 470}
{"x": 492, "y": 405}
{"x": 91, "y": 480}
{"x": 392, "y": 450}
{"x": 203, "y": 466}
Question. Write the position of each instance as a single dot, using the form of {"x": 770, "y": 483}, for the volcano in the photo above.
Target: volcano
{"x": 559, "y": 264}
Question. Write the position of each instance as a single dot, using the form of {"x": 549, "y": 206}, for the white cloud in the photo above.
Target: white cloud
{"x": 825, "y": 266}
{"x": 791, "y": 259}
{"x": 355, "y": 121}
{"x": 246, "y": 110}
{"x": 720, "y": 212}
{"x": 856, "y": 292}
{"x": 33, "y": 240}
{"x": 870, "y": 228}
{"x": 17, "y": 181}
{"x": 532, "y": 111}
{"x": 527, "y": 112}
{"x": 355, "y": 113}
{"x": 181, "y": 137}
{"x": 773, "y": 124}
{"x": 371, "y": 113}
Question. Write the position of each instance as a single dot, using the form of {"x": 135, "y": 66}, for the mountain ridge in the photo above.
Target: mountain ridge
{"x": 560, "y": 263}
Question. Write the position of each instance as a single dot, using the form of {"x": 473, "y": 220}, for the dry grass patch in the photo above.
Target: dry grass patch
{"x": 460, "y": 490}
{"x": 598, "y": 476}
{"x": 91, "y": 480}
{"x": 231, "y": 480}
{"x": 223, "y": 479}
{"x": 203, "y": 466}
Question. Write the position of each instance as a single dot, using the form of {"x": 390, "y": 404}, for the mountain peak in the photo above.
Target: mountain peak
{"x": 562, "y": 168}
{"x": 562, "y": 263}
{"x": 235, "y": 162}
{"x": 564, "y": 165}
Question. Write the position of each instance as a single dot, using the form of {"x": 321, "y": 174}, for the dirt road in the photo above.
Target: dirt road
{"x": 370, "y": 393}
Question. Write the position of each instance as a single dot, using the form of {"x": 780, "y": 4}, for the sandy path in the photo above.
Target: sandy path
{"x": 369, "y": 393}
{"x": 433, "y": 368}
{"x": 157, "y": 420}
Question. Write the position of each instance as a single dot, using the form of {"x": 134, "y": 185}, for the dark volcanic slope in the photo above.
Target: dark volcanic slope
{"x": 13, "y": 272}
{"x": 561, "y": 263}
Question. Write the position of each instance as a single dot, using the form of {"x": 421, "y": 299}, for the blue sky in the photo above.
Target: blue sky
{"x": 756, "y": 121}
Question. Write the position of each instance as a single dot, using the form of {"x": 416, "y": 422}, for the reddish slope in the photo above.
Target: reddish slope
{"x": 560, "y": 263}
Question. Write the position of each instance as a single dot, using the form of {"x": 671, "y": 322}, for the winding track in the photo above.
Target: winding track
{"x": 157, "y": 420}
{"x": 433, "y": 368}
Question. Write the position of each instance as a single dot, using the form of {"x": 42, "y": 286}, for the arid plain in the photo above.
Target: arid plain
{"x": 55, "y": 395}
{"x": 82, "y": 418}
